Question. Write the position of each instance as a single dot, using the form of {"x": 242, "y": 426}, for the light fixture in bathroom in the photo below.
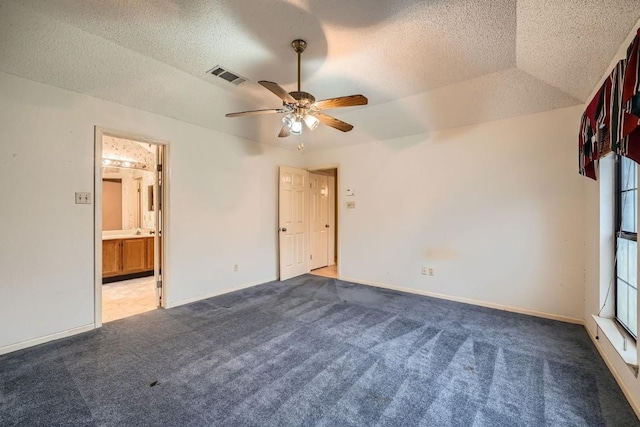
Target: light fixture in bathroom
{"x": 126, "y": 164}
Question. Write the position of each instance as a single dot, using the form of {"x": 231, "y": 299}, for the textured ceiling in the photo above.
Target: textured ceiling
{"x": 570, "y": 43}
{"x": 424, "y": 64}
{"x": 124, "y": 149}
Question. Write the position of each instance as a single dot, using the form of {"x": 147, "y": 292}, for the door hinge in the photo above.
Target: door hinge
{"x": 310, "y": 256}
{"x": 159, "y": 284}
{"x": 159, "y": 168}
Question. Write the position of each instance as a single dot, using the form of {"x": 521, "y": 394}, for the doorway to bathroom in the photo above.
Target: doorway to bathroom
{"x": 129, "y": 189}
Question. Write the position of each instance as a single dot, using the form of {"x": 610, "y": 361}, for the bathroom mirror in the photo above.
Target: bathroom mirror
{"x": 127, "y": 199}
{"x": 150, "y": 199}
{"x": 132, "y": 164}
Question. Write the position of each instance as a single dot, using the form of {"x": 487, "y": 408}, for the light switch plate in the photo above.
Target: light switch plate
{"x": 83, "y": 198}
{"x": 351, "y": 192}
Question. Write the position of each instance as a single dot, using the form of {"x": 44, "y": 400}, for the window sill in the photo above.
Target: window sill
{"x": 617, "y": 338}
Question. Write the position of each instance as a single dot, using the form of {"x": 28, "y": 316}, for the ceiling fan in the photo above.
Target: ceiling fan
{"x": 301, "y": 107}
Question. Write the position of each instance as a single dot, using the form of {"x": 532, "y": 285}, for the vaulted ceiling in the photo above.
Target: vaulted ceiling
{"x": 425, "y": 65}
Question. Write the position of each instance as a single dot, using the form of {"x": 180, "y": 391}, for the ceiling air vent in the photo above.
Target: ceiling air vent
{"x": 227, "y": 75}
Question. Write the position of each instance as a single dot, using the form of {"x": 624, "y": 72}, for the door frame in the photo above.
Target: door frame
{"x": 99, "y": 132}
{"x": 338, "y": 225}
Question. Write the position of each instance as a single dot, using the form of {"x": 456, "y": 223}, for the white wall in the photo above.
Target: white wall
{"x": 496, "y": 209}
{"x": 222, "y": 207}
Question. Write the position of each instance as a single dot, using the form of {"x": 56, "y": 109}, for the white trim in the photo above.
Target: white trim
{"x": 166, "y": 219}
{"x": 338, "y": 224}
{"x": 325, "y": 167}
{"x": 222, "y": 292}
{"x": 41, "y": 340}
{"x": 469, "y": 301}
{"x": 617, "y": 340}
{"x": 635, "y": 405}
{"x": 339, "y": 231}
{"x": 97, "y": 227}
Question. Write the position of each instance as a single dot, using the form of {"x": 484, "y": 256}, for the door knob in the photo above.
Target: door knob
{"x": 284, "y": 230}
{"x": 326, "y": 226}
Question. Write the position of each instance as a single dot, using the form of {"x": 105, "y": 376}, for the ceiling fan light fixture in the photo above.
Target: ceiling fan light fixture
{"x": 311, "y": 121}
{"x": 293, "y": 123}
{"x": 288, "y": 120}
{"x": 296, "y": 126}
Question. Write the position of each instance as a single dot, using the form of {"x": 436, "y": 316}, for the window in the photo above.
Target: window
{"x": 626, "y": 201}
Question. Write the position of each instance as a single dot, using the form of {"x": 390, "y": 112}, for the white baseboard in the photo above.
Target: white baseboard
{"x": 635, "y": 405}
{"x": 41, "y": 340}
{"x": 221, "y": 292}
{"x": 469, "y": 301}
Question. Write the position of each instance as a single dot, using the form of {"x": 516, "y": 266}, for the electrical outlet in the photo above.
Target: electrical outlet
{"x": 83, "y": 198}
{"x": 351, "y": 205}
{"x": 427, "y": 271}
{"x": 235, "y": 267}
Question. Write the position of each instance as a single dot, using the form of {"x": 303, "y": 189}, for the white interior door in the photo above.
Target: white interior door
{"x": 318, "y": 194}
{"x": 293, "y": 219}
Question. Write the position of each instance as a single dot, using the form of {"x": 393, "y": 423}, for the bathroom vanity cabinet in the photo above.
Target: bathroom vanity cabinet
{"x": 127, "y": 256}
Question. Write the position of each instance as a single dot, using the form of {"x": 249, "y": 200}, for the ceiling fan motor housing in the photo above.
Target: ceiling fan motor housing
{"x": 305, "y": 99}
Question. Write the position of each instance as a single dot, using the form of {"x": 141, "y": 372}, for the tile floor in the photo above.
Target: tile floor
{"x": 330, "y": 271}
{"x": 126, "y": 298}
{"x": 129, "y": 297}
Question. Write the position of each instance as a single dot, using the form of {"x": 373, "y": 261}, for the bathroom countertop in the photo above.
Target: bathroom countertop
{"x": 125, "y": 236}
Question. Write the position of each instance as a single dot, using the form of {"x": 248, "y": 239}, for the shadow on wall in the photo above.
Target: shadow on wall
{"x": 441, "y": 254}
{"x": 250, "y": 148}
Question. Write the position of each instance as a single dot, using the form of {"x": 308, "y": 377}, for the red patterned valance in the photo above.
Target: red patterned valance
{"x": 611, "y": 121}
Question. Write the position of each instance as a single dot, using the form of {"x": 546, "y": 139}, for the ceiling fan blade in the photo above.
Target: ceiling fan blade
{"x": 256, "y": 112}
{"x": 279, "y": 91}
{"x": 343, "y": 101}
{"x": 333, "y": 122}
{"x": 284, "y": 132}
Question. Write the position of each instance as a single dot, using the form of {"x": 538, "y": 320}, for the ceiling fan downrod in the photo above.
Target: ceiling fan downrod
{"x": 299, "y": 46}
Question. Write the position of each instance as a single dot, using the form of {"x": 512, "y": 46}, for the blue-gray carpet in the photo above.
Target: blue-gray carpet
{"x": 316, "y": 351}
